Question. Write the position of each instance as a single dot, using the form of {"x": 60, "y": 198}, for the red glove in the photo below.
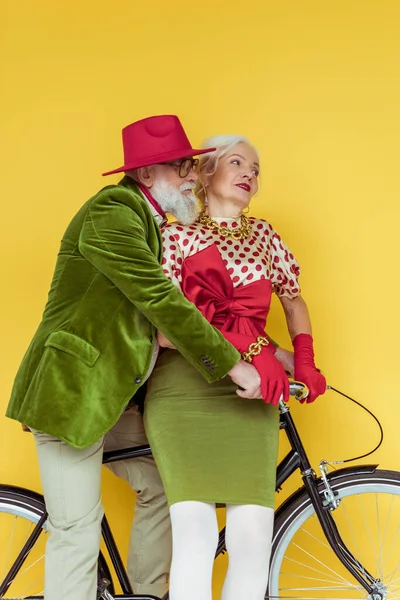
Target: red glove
{"x": 274, "y": 381}
{"x": 305, "y": 369}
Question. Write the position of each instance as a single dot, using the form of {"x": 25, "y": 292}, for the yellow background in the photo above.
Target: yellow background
{"x": 315, "y": 85}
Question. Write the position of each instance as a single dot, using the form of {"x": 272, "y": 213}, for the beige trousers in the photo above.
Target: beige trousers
{"x": 71, "y": 481}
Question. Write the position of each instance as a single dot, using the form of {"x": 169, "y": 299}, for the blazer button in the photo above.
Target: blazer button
{"x": 137, "y": 379}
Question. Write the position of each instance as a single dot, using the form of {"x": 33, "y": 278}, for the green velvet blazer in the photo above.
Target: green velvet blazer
{"x": 94, "y": 344}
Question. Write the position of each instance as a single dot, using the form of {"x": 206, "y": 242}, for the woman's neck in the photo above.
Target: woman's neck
{"x": 226, "y": 209}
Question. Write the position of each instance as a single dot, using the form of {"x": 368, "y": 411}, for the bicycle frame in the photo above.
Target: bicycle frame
{"x": 295, "y": 459}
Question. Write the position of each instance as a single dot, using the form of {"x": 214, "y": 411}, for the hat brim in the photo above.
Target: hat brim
{"x": 160, "y": 158}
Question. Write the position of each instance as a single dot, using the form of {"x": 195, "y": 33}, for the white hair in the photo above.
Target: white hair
{"x": 182, "y": 206}
{"x": 209, "y": 162}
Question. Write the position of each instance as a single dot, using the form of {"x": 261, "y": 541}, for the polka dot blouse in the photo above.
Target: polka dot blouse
{"x": 262, "y": 255}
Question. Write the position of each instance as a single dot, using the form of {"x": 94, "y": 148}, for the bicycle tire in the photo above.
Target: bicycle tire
{"x": 22, "y": 503}
{"x": 349, "y": 483}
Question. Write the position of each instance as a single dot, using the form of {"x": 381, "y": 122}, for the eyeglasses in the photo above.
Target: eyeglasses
{"x": 184, "y": 166}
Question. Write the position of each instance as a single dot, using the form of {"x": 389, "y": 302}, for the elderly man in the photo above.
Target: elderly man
{"x": 94, "y": 350}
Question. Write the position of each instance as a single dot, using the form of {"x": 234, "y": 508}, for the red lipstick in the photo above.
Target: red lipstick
{"x": 244, "y": 186}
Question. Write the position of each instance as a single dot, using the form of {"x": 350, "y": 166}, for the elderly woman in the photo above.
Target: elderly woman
{"x": 212, "y": 446}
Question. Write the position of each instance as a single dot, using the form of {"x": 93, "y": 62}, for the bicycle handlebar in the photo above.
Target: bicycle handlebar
{"x": 298, "y": 390}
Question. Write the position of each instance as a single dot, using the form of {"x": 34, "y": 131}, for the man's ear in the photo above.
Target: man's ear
{"x": 146, "y": 176}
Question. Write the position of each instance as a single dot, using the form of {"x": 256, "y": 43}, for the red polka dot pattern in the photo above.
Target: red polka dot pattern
{"x": 261, "y": 256}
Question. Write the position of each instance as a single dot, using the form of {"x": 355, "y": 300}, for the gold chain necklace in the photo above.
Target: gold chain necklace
{"x": 239, "y": 233}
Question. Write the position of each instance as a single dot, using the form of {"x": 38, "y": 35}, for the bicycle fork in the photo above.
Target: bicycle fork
{"x": 329, "y": 527}
{"x": 323, "y": 511}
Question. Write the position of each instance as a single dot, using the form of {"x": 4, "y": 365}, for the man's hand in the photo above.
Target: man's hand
{"x": 164, "y": 342}
{"x": 246, "y": 376}
{"x": 286, "y": 358}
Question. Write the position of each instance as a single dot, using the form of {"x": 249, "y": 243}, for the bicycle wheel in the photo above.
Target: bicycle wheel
{"x": 303, "y": 566}
{"x": 20, "y": 511}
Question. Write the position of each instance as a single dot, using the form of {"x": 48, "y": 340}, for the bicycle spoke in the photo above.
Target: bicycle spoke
{"x": 346, "y": 513}
{"x": 280, "y": 597}
{"x": 9, "y": 548}
{"x": 303, "y": 565}
{"x": 32, "y": 527}
{"x": 32, "y": 586}
{"x": 378, "y": 566}
{"x": 367, "y": 527}
{"x": 321, "y": 563}
{"x": 315, "y": 538}
{"x": 389, "y": 577}
{"x": 393, "y": 572}
{"x": 25, "y": 570}
{"x": 308, "y": 577}
{"x": 22, "y": 527}
{"x": 392, "y": 546}
{"x": 324, "y": 544}
{"x": 360, "y": 567}
{"x": 321, "y": 588}
{"x": 312, "y": 568}
{"x": 394, "y": 581}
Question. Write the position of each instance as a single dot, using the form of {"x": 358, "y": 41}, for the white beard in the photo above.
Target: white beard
{"x": 182, "y": 206}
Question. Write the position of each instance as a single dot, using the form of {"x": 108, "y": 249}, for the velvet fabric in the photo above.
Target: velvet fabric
{"x": 94, "y": 344}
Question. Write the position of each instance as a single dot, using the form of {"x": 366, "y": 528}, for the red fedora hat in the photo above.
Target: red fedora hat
{"x": 155, "y": 140}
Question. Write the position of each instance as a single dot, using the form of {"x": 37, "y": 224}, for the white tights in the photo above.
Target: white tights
{"x": 195, "y": 536}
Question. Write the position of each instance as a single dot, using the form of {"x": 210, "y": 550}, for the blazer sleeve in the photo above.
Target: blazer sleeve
{"x": 114, "y": 240}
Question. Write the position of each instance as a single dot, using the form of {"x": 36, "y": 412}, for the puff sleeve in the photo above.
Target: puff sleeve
{"x": 285, "y": 269}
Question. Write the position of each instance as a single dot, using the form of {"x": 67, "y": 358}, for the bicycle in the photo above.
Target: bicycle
{"x": 315, "y": 551}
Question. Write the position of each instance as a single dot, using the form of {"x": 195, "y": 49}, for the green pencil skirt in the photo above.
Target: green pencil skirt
{"x": 209, "y": 444}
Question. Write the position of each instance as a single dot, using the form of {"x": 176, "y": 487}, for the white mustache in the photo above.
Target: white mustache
{"x": 187, "y": 186}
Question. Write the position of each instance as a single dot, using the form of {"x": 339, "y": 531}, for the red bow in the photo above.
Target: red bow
{"x": 239, "y": 313}
{"x": 242, "y": 309}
